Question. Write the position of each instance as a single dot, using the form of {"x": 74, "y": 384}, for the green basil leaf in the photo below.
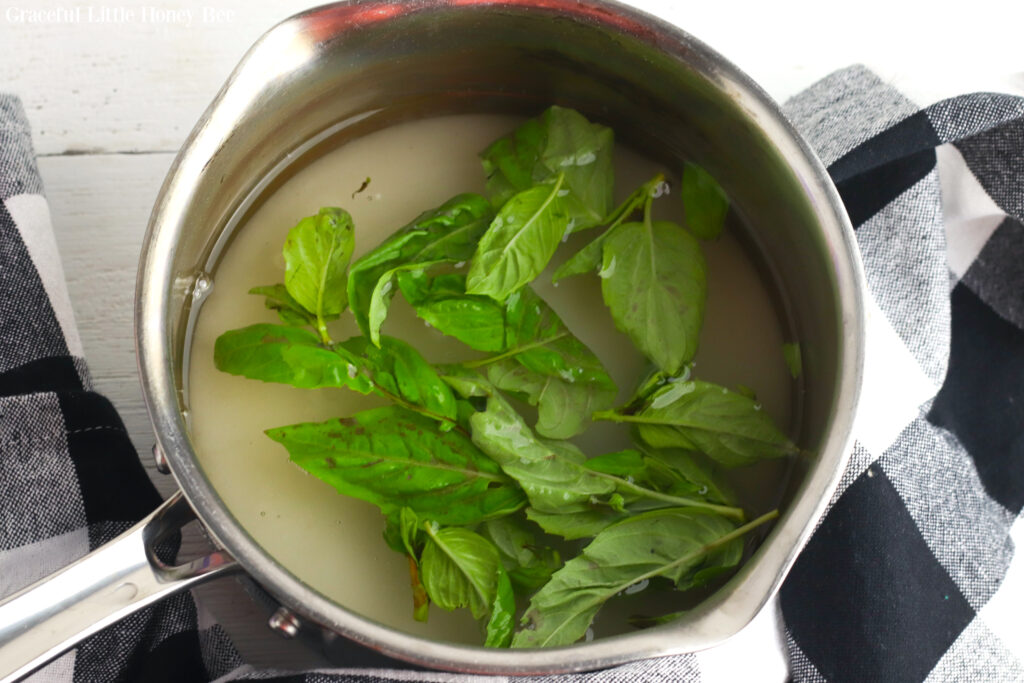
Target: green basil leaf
{"x": 576, "y": 525}
{"x": 509, "y": 162}
{"x": 552, "y": 476}
{"x": 583, "y": 151}
{"x": 477, "y": 322}
{"x": 641, "y": 621}
{"x": 316, "y": 254}
{"x": 657, "y": 474}
{"x": 791, "y": 353}
{"x": 674, "y": 543}
{"x": 553, "y": 369}
{"x": 589, "y": 257}
{"x": 448, "y": 233}
{"x": 728, "y": 427}
{"x": 560, "y": 141}
{"x": 393, "y": 458}
{"x": 399, "y": 371}
{"x": 286, "y": 355}
{"x": 462, "y": 569}
{"x": 529, "y": 565}
{"x": 403, "y": 534}
{"x": 502, "y": 624}
{"x": 288, "y": 309}
{"x": 586, "y": 260}
{"x": 441, "y": 301}
{"x": 384, "y": 291}
{"x": 520, "y": 241}
{"x": 563, "y": 405}
{"x": 465, "y": 382}
{"x": 410, "y": 531}
{"x": 654, "y": 283}
{"x": 701, "y": 473}
{"x": 704, "y": 202}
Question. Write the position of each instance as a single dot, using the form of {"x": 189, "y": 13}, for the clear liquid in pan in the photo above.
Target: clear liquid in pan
{"x": 333, "y": 543}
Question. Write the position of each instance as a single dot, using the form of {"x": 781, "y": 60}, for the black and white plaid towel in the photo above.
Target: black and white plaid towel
{"x": 911, "y": 576}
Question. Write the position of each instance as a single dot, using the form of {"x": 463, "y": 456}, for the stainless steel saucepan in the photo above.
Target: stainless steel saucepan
{"x": 338, "y": 71}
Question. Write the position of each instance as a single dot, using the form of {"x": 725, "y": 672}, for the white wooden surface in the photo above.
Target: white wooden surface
{"x": 112, "y": 89}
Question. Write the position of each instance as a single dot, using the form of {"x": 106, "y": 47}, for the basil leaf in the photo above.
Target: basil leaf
{"x": 560, "y": 141}
{"x": 286, "y": 355}
{"x": 529, "y": 565}
{"x": 649, "y": 471}
{"x": 585, "y": 260}
{"x": 509, "y": 162}
{"x": 583, "y": 151}
{"x": 462, "y": 569}
{"x": 393, "y": 458}
{"x": 403, "y": 534}
{"x": 552, "y": 477}
{"x": 728, "y": 427}
{"x": 589, "y": 257}
{"x": 502, "y": 623}
{"x": 575, "y": 525}
{"x": 563, "y": 407}
{"x": 399, "y": 372}
{"x": 316, "y": 254}
{"x": 520, "y": 241}
{"x": 553, "y": 369}
{"x": 441, "y": 301}
{"x": 465, "y": 382}
{"x": 791, "y": 353}
{"x": 704, "y": 202}
{"x": 552, "y": 473}
{"x": 384, "y": 291}
{"x": 641, "y": 621}
{"x": 702, "y": 475}
{"x": 478, "y": 322}
{"x": 653, "y": 473}
{"x": 448, "y": 233}
{"x": 288, "y": 309}
{"x": 653, "y": 281}
{"x": 674, "y": 543}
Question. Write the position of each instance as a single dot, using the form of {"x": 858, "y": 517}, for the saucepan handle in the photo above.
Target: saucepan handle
{"x": 123, "y": 576}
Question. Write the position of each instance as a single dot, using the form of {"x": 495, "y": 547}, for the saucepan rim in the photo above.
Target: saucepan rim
{"x": 716, "y": 619}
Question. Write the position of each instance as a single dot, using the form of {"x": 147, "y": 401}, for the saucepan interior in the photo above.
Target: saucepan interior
{"x": 340, "y": 71}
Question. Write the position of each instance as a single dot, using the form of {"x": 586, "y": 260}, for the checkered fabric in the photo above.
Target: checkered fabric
{"x": 910, "y": 576}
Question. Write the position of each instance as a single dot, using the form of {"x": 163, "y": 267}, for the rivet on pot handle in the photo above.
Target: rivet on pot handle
{"x": 123, "y": 576}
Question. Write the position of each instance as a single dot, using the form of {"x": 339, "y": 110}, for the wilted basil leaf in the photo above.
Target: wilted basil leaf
{"x": 392, "y": 457}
